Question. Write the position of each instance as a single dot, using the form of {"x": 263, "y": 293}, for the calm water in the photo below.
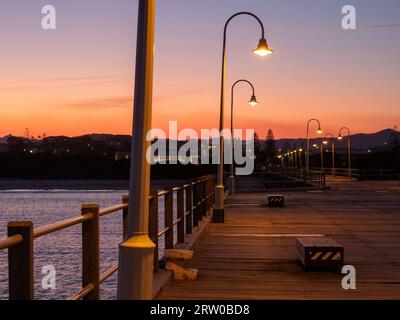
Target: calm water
{"x": 63, "y": 249}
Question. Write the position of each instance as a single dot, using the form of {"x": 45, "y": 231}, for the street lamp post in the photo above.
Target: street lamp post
{"x": 321, "y": 155}
{"x": 340, "y": 137}
{"x": 261, "y": 50}
{"x": 333, "y": 151}
{"x": 135, "y": 275}
{"x": 319, "y": 130}
{"x": 300, "y": 160}
{"x": 253, "y": 102}
{"x": 281, "y": 157}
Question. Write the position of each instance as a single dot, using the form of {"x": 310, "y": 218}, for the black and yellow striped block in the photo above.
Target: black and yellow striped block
{"x": 276, "y": 200}
{"x": 319, "y": 254}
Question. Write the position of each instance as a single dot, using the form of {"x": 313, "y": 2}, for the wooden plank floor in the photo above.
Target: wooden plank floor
{"x": 245, "y": 258}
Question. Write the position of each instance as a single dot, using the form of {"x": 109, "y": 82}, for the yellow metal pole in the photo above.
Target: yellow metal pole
{"x": 135, "y": 277}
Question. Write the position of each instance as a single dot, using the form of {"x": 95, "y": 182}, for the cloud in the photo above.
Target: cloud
{"x": 63, "y": 82}
{"x": 104, "y": 103}
{"x": 75, "y": 79}
{"x": 380, "y": 26}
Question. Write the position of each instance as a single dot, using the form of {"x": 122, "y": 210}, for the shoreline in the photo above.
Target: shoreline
{"x": 73, "y": 184}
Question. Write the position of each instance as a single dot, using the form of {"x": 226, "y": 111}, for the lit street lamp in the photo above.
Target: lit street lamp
{"x": 319, "y": 131}
{"x": 261, "y": 50}
{"x": 340, "y": 137}
{"x": 333, "y": 151}
{"x": 253, "y": 102}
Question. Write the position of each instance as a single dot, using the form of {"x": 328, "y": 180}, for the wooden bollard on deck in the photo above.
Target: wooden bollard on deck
{"x": 20, "y": 261}
{"x": 90, "y": 251}
{"x": 276, "y": 200}
{"x": 319, "y": 254}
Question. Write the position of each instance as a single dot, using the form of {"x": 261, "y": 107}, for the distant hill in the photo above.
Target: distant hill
{"x": 5, "y": 139}
{"x": 361, "y": 141}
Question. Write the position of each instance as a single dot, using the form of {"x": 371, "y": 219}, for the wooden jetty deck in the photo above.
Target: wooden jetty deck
{"x": 252, "y": 255}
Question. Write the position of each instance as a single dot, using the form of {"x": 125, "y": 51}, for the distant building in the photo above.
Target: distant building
{"x": 121, "y": 155}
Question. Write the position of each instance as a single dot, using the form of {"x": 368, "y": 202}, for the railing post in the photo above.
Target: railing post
{"x": 90, "y": 251}
{"x": 153, "y": 225}
{"x": 208, "y": 193}
{"x": 196, "y": 203}
{"x": 125, "y": 200}
{"x": 203, "y": 197}
{"x": 169, "y": 218}
{"x": 181, "y": 215}
{"x": 20, "y": 261}
{"x": 189, "y": 209}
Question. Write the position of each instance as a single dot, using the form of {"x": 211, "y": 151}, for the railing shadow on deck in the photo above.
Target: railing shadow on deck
{"x": 192, "y": 202}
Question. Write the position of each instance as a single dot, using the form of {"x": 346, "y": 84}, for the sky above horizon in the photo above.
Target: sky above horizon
{"x": 79, "y": 78}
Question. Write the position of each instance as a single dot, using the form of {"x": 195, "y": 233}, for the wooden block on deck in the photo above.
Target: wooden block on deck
{"x": 181, "y": 273}
{"x": 319, "y": 253}
{"x": 276, "y": 200}
{"x": 179, "y": 254}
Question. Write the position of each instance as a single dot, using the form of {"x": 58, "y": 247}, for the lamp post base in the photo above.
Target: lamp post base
{"x": 218, "y": 215}
{"x": 219, "y": 196}
{"x": 135, "y": 275}
{"x": 231, "y": 185}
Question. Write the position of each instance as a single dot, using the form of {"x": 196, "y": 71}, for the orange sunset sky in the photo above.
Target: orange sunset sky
{"x": 78, "y": 78}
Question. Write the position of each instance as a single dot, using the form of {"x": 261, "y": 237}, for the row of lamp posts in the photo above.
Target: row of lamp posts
{"x": 292, "y": 155}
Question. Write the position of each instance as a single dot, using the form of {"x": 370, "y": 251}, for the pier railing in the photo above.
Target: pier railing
{"x": 365, "y": 174}
{"x": 192, "y": 202}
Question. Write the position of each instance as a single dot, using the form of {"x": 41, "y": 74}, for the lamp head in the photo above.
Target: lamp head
{"x": 300, "y": 150}
{"x": 340, "y": 137}
{"x": 319, "y": 131}
{"x": 315, "y": 146}
{"x": 262, "y": 49}
{"x": 325, "y": 142}
{"x": 253, "y": 101}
